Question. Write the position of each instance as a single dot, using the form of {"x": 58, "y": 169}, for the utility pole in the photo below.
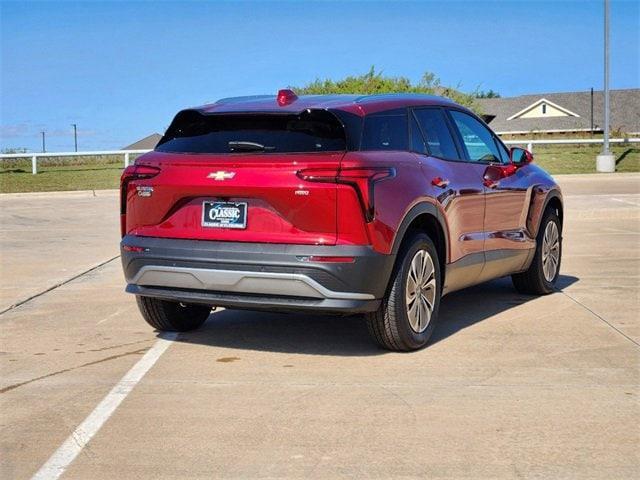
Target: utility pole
{"x": 606, "y": 162}
{"x": 591, "y": 111}
{"x": 44, "y": 149}
{"x": 605, "y": 145}
{"x": 75, "y": 135}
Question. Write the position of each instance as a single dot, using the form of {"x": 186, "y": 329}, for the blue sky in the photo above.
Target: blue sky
{"x": 121, "y": 70}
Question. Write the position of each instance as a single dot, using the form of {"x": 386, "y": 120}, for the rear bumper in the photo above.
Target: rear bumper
{"x": 256, "y": 276}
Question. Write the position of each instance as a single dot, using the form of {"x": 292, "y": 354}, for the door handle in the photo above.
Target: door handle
{"x": 440, "y": 182}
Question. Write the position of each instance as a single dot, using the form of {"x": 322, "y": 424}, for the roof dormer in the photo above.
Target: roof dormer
{"x": 543, "y": 108}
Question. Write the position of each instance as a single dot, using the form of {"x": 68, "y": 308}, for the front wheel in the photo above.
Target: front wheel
{"x": 169, "y": 316}
{"x": 408, "y": 313}
{"x": 544, "y": 270}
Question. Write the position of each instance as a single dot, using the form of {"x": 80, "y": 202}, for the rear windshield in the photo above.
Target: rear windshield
{"x": 310, "y": 131}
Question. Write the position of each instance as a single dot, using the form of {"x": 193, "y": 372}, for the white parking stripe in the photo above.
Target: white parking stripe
{"x": 73, "y": 445}
{"x": 114, "y": 314}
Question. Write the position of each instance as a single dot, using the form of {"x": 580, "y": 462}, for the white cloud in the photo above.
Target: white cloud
{"x": 14, "y": 131}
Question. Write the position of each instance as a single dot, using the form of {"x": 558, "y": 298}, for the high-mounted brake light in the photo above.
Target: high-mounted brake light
{"x": 362, "y": 179}
{"x": 132, "y": 172}
{"x": 286, "y": 96}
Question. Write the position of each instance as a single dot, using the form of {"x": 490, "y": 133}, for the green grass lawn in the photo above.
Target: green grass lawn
{"x": 582, "y": 158}
{"x": 94, "y": 173}
{"x": 86, "y": 172}
{"x": 62, "y": 177}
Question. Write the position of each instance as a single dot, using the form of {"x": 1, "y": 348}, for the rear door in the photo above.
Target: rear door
{"x": 459, "y": 191}
{"x": 235, "y": 178}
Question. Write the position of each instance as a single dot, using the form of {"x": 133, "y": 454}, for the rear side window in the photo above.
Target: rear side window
{"x": 436, "y": 133}
{"x": 310, "y": 131}
{"x": 385, "y": 131}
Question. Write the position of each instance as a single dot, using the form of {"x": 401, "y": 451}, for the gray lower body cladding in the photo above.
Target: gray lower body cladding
{"x": 256, "y": 275}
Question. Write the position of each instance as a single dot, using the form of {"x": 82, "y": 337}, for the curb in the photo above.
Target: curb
{"x": 68, "y": 193}
{"x": 594, "y": 176}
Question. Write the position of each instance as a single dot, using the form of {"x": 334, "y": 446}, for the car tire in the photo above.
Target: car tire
{"x": 394, "y": 325}
{"x": 169, "y": 316}
{"x": 539, "y": 279}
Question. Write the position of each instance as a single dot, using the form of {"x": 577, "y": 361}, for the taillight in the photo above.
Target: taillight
{"x": 319, "y": 174}
{"x": 362, "y": 179}
{"x": 135, "y": 172}
{"x": 132, "y": 172}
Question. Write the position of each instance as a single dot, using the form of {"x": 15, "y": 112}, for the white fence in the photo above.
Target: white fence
{"x": 35, "y": 156}
{"x": 568, "y": 141}
{"x": 126, "y": 153}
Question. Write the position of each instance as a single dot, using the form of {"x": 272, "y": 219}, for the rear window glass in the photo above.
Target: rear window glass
{"x": 310, "y": 131}
{"x": 385, "y": 131}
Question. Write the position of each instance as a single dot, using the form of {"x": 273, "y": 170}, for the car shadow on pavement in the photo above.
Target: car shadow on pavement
{"x": 285, "y": 332}
{"x": 464, "y": 308}
{"x": 347, "y": 336}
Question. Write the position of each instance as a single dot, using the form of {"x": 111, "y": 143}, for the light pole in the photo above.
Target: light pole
{"x": 44, "y": 149}
{"x": 75, "y": 135}
{"x": 606, "y": 162}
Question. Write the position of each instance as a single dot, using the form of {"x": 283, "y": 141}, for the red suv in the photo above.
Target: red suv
{"x": 342, "y": 204}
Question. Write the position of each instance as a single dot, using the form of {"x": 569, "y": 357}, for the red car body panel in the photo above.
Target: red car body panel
{"x": 478, "y": 212}
{"x": 268, "y": 183}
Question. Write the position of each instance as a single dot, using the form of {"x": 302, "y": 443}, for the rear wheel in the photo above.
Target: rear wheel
{"x": 408, "y": 313}
{"x": 543, "y": 272}
{"x": 169, "y": 316}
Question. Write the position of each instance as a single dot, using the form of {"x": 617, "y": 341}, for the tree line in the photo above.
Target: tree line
{"x": 374, "y": 82}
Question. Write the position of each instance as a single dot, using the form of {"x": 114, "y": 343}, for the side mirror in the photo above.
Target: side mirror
{"x": 520, "y": 156}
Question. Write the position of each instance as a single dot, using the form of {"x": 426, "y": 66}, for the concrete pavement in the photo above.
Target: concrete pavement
{"x": 511, "y": 386}
{"x": 48, "y": 238}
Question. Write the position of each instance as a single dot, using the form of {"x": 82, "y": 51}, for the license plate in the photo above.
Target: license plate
{"x": 224, "y": 214}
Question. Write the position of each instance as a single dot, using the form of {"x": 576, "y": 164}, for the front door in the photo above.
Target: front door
{"x": 507, "y": 196}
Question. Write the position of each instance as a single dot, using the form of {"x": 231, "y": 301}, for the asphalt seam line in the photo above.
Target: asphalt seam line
{"x": 57, "y": 285}
{"x": 625, "y": 201}
{"x": 8, "y": 388}
{"x": 601, "y": 318}
{"x": 82, "y": 435}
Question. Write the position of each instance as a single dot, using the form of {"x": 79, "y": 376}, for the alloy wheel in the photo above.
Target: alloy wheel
{"x": 420, "y": 291}
{"x": 550, "y": 251}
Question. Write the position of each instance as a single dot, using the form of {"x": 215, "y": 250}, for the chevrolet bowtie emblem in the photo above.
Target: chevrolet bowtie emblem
{"x": 221, "y": 175}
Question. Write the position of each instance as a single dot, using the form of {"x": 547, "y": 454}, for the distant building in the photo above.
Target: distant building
{"x": 562, "y": 113}
{"x": 146, "y": 143}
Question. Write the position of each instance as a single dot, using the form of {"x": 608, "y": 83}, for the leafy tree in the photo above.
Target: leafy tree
{"x": 375, "y": 82}
{"x": 488, "y": 94}
{"x": 14, "y": 150}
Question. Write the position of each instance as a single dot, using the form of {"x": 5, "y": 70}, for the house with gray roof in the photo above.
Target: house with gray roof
{"x": 562, "y": 113}
{"x": 147, "y": 143}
